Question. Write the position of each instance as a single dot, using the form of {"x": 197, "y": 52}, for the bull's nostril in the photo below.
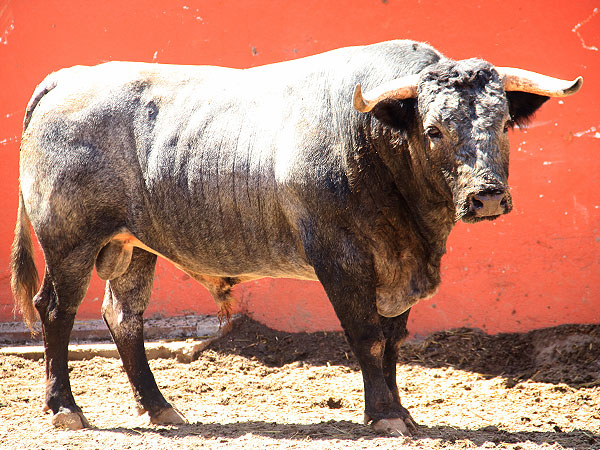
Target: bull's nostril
{"x": 477, "y": 204}
{"x": 503, "y": 202}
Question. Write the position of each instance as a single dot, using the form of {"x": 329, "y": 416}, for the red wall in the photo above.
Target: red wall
{"x": 536, "y": 267}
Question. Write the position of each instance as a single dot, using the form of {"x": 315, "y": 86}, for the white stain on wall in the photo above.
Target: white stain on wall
{"x": 578, "y": 33}
{"x": 7, "y": 22}
{"x": 590, "y": 132}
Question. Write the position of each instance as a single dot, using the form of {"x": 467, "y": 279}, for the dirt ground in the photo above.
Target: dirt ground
{"x": 257, "y": 388}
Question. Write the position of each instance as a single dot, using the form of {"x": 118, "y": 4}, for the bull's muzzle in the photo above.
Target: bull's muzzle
{"x": 489, "y": 203}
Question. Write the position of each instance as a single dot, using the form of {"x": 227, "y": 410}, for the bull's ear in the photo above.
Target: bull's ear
{"x": 523, "y": 105}
{"x": 397, "y": 114}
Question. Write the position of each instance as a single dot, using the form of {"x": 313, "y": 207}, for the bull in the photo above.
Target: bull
{"x": 285, "y": 170}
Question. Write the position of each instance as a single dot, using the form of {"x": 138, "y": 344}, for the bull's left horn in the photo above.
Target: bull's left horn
{"x": 515, "y": 79}
{"x": 397, "y": 89}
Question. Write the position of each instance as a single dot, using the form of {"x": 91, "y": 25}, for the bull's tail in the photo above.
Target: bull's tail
{"x": 42, "y": 89}
{"x": 24, "y": 280}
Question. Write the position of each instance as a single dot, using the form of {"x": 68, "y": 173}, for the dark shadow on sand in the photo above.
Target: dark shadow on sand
{"x": 346, "y": 430}
{"x": 568, "y": 354}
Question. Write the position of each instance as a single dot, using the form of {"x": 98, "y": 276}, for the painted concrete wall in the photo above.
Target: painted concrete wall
{"x": 536, "y": 267}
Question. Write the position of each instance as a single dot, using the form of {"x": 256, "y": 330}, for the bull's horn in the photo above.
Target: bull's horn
{"x": 397, "y": 89}
{"x": 515, "y": 79}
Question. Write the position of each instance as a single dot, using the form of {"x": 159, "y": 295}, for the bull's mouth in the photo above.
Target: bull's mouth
{"x": 470, "y": 217}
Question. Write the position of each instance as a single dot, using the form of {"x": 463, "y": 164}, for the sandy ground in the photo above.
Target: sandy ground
{"x": 256, "y": 388}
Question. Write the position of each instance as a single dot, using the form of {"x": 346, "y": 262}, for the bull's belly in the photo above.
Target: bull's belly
{"x": 205, "y": 262}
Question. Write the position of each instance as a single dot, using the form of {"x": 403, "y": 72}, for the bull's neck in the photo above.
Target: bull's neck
{"x": 396, "y": 175}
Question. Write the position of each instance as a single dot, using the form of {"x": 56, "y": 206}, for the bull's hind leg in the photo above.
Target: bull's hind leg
{"x": 125, "y": 300}
{"x": 64, "y": 286}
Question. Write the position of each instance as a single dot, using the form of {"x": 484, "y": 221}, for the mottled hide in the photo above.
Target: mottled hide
{"x": 234, "y": 175}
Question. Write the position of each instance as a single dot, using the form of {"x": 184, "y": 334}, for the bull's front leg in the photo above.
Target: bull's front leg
{"x": 349, "y": 281}
{"x": 395, "y": 332}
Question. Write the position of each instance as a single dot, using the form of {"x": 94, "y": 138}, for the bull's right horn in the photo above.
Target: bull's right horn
{"x": 515, "y": 79}
{"x": 397, "y": 89}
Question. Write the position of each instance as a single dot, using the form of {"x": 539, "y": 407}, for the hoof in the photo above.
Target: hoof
{"x": 394, "y": 426}
{"x": 169, "y": 416}
{"x": 70, "y": 420}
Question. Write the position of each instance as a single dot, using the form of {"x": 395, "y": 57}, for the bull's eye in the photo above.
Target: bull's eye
{"x": 433, "y": 133}
{"x": 508, "y": 125}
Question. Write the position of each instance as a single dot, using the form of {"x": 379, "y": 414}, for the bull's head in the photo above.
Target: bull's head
{"x": 465, "y": 109}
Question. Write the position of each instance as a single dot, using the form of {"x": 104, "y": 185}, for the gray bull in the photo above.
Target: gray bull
{"x": 275, "y": 171}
